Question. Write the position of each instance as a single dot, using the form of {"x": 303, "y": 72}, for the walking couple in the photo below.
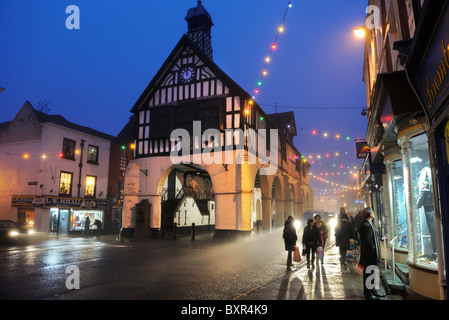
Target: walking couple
{"x": 314, "y": 238}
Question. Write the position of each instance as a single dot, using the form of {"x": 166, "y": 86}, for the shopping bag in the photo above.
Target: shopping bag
{"x": 358, "y": 268}
{"x": 296, "y": 255}
{"x": 320, "y": 252}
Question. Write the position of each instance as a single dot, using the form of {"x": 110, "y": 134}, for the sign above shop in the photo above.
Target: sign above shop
{"x": 22, "y": 200}
{"x": 433, "y": 74}
{"x": 76, "y": 203}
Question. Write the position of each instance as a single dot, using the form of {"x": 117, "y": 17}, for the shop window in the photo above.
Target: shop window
{"x": 68, "y": 149}
{"x": 399, "y": 212}
{"x": 65, "y": 184}
{"x": 25, "y": 218}
{"x": 78, "y": 219}
{"x": 91, "y": 185}
{"x": 92, "y": 154}
{"x": 422, "y": 208}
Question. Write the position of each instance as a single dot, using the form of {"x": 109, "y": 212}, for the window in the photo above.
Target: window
{"x": 68, "y": 149}
{"x": 91, "y": 185}
{"x": 65, "y": 184}
{"x": 422, "y": 209}
{"x": 399, "y": 212}
{"x": 92, "y": 154}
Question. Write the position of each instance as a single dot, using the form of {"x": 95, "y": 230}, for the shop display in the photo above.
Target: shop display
{"x": 400, "y": 215}
{"x": 423, "y": 213}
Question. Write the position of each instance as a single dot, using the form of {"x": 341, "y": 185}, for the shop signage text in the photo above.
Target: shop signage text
{"x": 22, "y": 200}
{"x": 433, "y": 74}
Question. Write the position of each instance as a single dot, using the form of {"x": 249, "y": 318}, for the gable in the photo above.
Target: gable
{"x": 24, "y": 127}
{"x": 187, "y": 74}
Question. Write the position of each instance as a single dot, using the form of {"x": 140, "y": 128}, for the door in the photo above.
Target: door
{"x": 63, "y": 222}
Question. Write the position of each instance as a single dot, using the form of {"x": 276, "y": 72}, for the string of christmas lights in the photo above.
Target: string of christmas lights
{"x": 274, "y": 46}
{"x": 333, "y": 183}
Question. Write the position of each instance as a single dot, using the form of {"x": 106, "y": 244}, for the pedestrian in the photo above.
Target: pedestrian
{"x": 322, "y": 228}
{"x": 323, "y": 233}
{"x": 98, "y": 225}
{"x": 290, "y": 238}
{"x": 310, "y": 241}
{"x": 343, "y": 234}
{"x": 369, "y": 252}
{"x": 86, "y": 230}
{"x": 358, "y": 219}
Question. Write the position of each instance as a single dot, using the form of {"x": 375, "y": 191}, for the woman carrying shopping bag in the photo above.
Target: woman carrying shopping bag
{"x": 324, "y": 233}
{"x": 290, "y": 237}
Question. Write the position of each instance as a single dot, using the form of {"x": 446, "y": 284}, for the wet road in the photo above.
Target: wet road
{"x": 158, "y": 269}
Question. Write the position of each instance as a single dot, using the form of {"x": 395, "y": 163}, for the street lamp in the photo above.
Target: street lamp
{"x": 360, "y": 32}
{"x": 2, "y": 89}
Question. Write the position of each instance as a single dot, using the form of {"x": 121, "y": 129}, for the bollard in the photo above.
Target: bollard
{"x": 193, "y": 231}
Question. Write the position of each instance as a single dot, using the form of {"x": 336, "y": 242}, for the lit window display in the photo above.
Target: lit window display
{"x": 422, "y": 208}
{"x": 400, "y": 214}
{"x": 78, "y": 219}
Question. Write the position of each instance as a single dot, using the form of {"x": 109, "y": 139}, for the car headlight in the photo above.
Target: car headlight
{"x": 14, "y": 233}
{"x": 333, "y": 223}
{"x": 297, "y": 224}
{"x": 30, "y": 232}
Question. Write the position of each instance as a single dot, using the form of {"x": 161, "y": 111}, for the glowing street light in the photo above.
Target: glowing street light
{"x": 360, "y": 32}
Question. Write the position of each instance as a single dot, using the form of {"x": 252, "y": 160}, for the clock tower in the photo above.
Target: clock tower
{"x": 199, "y": 24}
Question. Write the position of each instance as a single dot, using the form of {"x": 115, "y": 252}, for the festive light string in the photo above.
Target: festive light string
{"x": 311, "y": 108}
{"x": 264, "y": 73}
{"x": 333, "y": 183}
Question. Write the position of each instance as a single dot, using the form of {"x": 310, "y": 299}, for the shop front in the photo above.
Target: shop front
{"x": 428, "y": 68}
{"x": 69, "y": 215}
{"x": 25, "y": 210}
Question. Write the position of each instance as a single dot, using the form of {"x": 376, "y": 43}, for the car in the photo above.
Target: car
{"x": 326, "y": 217}
{"x": 12, "y": 232}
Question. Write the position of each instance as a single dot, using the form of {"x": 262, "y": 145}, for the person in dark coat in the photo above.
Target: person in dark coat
{"x": 310, "y": 241}
{"x": 290, "y": 238}
{"x": 369, "y": 251}
{"x": 98, "y": 225}
{"x": 86, "y": 230}
{"x": 343, "y": 234}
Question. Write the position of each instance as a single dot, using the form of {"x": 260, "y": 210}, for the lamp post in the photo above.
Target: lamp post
{"x": 2, "y": 89}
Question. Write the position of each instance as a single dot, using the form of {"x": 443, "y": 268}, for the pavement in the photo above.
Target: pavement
{"x": 327, "y": 281}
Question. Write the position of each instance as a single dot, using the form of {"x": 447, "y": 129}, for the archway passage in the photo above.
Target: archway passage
{"x": 262, "y": 207}
{"x": 187, "y": 201}
{"x": 278, "y": 202}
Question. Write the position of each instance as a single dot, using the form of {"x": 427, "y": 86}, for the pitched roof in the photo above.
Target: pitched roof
{"x": 282, "y": 120}
{"x": 167, "y": 65}
{"x": 61, "y": 121}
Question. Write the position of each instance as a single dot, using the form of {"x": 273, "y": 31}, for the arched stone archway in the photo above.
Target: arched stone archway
{"x": 277, "y": 196}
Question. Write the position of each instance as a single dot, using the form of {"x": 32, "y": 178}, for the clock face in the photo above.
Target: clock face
{"x": 187, "y": 74}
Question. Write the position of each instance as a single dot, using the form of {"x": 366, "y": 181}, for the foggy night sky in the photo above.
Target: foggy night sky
{"x": 93, "y": 76}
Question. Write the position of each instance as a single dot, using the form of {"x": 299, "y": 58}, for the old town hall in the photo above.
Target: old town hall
{"x": 232, "y": 194}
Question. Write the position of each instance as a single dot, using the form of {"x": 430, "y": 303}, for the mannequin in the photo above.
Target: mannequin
{"x": 425, "y": 199}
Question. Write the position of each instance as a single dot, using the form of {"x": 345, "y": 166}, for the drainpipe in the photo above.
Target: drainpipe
{"x": 81, "y": 167}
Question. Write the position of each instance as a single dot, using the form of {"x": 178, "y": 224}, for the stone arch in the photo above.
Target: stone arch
{"x": 277, "y": 195}
{"x": 186, "y": 199}
{"x": 263, "y": 198}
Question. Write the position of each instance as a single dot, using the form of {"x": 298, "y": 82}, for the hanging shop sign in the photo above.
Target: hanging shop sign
{"x": 433, "y": 74}
{"x": 363, "y": 149}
